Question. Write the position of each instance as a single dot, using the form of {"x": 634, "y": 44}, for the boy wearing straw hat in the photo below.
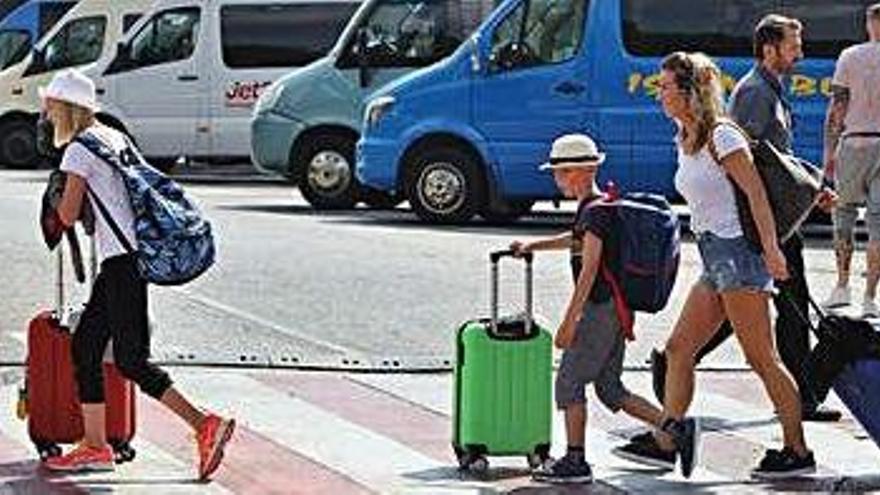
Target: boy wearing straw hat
{"x": 590, "y": 335}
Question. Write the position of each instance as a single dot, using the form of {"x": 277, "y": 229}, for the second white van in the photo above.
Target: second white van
{"x": 185, "y": 79}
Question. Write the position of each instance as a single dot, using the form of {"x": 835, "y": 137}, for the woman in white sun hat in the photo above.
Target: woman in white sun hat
{"x": 117, "y": 306}
{"x": 591, "y": 334}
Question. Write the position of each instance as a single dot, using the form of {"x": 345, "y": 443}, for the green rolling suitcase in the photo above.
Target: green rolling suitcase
{"x": 502, "y": 396}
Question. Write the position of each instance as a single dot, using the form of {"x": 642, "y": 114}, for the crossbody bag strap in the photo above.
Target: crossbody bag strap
{"x": 710, "y": 143}
{"x": 110, "y": 221}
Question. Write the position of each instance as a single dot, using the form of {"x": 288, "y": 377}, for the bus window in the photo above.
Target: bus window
{"x": 78, "y": 43}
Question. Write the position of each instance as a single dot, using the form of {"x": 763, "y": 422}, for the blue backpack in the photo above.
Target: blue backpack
{"x": 650, "y": 251}
{"x": 174, "y": 241}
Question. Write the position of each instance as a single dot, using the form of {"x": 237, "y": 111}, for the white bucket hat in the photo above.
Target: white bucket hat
{"x": 73, "y": 87}
{"x": 574, "y": 150}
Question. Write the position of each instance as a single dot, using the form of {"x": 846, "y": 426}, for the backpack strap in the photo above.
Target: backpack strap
{"x": 624, "y": 313}
{"x": 621, "y": 307}
{"x": 90, "y": 145}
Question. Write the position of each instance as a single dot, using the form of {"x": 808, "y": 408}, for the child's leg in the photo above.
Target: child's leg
{"x": 575, "y": 428}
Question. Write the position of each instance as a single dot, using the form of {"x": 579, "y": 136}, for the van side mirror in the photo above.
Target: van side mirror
{"x": 512, "y": 55}
{"x": 122, "y": 60}
{"x": 363, "y": 58}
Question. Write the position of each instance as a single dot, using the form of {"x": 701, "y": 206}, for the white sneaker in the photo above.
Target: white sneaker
{"x": 869, "y": 308}
{"x": 839, "y": 297}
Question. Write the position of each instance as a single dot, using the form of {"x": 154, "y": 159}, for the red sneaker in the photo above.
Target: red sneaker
{"x": 211, "y": 438}
{"x": 83, "y": 458}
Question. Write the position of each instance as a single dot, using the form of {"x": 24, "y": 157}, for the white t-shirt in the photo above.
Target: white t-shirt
{"x": 107, "y": 184}
{"x": 858, "y": 69}
{"x": 706, "y": 186}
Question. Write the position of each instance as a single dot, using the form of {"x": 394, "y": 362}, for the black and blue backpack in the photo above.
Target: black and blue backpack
{"x": 650, "y": 252}
{"x": 175, "y": 243}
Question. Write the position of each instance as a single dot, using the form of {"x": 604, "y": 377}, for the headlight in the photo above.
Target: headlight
{"x": 377, "y": 108}
{"x": 269, "y": 97}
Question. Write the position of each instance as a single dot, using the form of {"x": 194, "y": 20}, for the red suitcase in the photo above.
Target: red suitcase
{"x": 52, "y": 403}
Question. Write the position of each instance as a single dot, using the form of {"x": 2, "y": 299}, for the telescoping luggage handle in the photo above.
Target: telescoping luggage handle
{"x": 60, "y": 310}
{"x": 494, "y": 258}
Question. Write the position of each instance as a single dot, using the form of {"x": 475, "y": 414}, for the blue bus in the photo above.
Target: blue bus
{"x": 465, "y": 136}
{"x": 26, "y": 24}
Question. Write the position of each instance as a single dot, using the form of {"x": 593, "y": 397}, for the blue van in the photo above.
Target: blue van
{"x": 26, "y": 24}
{"x": 307, "y": 124}
{"x": 465, "y": 137}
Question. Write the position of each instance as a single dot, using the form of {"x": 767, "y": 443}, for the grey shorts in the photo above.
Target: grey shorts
{"x": 857, "y": 183}
{"x": 732, "y": 264}
{"x": 596, "y": 356}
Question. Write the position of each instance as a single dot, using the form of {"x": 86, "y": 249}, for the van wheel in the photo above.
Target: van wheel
{"x": 445, "y": 185}
{"x": 325, "y": 172}
{"x": 18, "y": 145}
{"x": 506, "y": 211}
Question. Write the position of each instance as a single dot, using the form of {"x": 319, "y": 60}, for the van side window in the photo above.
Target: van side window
{"x": 538, "y": 32}
{"x": 78, "y": 43}
{"x": 11, "y": 45}
{"x": 416, "y": 33}
{"x": 167, "y": 37}
{"x": 278, "y": 35}
{"x": 655, "y": 28}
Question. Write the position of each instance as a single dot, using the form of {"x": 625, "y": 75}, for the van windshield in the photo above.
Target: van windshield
{"x": 724, "y": 27}
{"x": 14, "y": 46}
{"x": 415, "y": 33}
{"x": 79, "y": 42}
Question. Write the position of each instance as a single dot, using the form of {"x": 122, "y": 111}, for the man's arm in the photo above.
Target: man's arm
{"x": 834, "y": 118}
{"x": 753, "y": 110}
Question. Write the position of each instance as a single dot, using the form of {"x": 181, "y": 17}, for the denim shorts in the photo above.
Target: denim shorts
{"x": 732, "y": 264}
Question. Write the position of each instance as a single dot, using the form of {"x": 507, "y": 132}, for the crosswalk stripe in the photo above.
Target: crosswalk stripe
{"x": 252, "y": 464}
{"x": 380, "y": 463}
{"x": 419, "y": 428}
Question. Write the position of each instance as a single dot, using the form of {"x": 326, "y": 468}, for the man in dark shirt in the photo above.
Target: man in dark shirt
{"x": 759, "y": 105}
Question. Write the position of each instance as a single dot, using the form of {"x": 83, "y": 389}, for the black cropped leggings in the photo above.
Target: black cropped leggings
{"x": 117, "y": 310}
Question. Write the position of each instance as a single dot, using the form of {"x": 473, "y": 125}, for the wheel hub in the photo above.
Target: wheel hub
{"x": 441, "y": 187}
{"x": 329, "y": 172}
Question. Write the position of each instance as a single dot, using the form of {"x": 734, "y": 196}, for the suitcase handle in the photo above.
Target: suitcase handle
{"x": 494, "y": 258}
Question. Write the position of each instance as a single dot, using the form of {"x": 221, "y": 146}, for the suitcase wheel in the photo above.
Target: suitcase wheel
{"x": 123, "y": 452}
{"x": 540, "y": 457}
{"x": 477, "y": 464}
{"x": 48, "y": 450}
{"x": 472, "y": 461}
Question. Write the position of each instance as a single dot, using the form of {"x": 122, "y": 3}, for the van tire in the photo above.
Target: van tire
{"x": 445, "y": 184}
{"x": 18, "y": 145}
{"x": 325, "y": 172}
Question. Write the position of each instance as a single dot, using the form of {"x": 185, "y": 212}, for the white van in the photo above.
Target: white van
{"x": 186, "y": 77}
{"x": 84, "y": 37}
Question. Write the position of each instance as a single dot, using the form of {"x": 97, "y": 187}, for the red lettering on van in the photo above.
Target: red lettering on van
{"x": 244, "y": 94}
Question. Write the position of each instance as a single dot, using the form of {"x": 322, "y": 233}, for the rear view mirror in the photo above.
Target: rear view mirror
{"x": 122, "y": 60}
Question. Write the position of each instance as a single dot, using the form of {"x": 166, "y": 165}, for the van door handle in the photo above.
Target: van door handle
{"x": 569, "y": 88}
{"x": 187, "y": 77}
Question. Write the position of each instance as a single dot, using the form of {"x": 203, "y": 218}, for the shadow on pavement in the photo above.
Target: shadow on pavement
{"x": 405, "y": 218}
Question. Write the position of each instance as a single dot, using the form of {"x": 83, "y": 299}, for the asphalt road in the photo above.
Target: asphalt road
{"x": 356, "y": 289}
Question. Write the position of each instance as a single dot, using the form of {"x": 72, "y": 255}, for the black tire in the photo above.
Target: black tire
{"x": 18, "y": 145}
{"x": 502, "y": 211}
{"x": 445, "y": 185}
{"x": 325, "y": 172}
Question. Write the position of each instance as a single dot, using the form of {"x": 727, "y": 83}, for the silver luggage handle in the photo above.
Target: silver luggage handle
{"x": 495, "y": 258}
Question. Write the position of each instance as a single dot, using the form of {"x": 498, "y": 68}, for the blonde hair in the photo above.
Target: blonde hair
{"x": 697, "y": 76}
{"x": 72, "y": 120}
